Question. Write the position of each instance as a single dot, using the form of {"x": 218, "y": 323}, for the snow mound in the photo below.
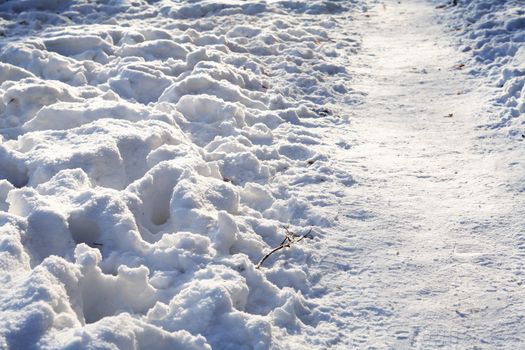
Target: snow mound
{"x": 494, "y": 33}
{"x": 146, "y": 167}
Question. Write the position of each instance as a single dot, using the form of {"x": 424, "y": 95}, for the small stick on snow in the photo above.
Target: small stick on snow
{"x": 291, "y": 237}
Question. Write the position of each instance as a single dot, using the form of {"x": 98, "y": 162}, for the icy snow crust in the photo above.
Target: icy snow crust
{"x": 148, "y": 158}
{"x": 494, "y": 32}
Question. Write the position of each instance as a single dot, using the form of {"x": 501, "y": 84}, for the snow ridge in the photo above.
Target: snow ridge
{"x": 494, "y": 32}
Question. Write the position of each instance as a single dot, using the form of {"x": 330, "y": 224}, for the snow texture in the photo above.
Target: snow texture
{"x": 148, "y": 156}
{"x": 152, "y": 151}
{"x": 493, "y": 33}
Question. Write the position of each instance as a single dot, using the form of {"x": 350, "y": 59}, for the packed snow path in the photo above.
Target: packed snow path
{"x": 429, "y": 249}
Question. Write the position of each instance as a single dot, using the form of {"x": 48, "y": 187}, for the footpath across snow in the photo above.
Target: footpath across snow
{"x": 428, "y": 248}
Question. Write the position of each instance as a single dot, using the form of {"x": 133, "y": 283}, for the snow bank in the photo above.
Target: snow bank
{"x": 148, "y": 155}
{"x": 494, "y": 33}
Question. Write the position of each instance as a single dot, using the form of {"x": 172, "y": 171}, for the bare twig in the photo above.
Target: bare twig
{"x": 289, "y": 239}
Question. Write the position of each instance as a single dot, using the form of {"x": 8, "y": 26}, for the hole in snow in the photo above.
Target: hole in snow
{"x": 160, "y": 212}
{"x": 17, "y": 177}
{"x": 134, "y": 153}
{"x": 157, "y": 203}
{"x": 84, "y": 231}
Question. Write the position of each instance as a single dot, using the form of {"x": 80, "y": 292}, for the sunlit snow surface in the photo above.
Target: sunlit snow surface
{"x": 493, "y": 32}
{"x": 148, "y": 155}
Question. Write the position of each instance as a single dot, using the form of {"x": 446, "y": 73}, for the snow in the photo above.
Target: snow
{"x": 493, "y": 33}
{"x": 426, "y": 250}
{"x": 142, "y": 146}
{"x": 152, "y": 153}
